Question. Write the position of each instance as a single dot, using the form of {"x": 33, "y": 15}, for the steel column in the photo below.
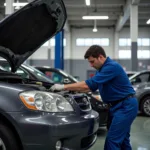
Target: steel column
{"x": 59, "y": 50}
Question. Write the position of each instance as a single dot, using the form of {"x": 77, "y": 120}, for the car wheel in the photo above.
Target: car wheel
{"x": 7, "y": 139}
{"x": 145, "y": 106}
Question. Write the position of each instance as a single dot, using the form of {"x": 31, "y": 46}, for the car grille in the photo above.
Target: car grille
{"x": 83, "y": 103}
{"x": 88, "y": 141}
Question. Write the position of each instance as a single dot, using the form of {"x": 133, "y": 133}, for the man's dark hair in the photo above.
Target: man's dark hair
{"x": 95, "y": 51}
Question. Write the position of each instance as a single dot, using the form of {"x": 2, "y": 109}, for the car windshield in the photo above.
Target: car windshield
{"x": 133, "y": 76}
{"x": 38, "y": 74}
{"x": 68, "y": 75}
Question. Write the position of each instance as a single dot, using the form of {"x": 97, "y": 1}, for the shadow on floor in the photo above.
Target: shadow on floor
{"x": 142, "y": 115}
{"x": 102, "y": 132}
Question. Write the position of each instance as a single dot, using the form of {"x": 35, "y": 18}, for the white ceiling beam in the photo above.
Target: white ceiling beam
{"x": 135, "y": 2}
{"x": 91, "y": 23}
{"x": 92, "y": 5}
{"x": 144, "y": 10}
{"x": 123, "y": 18}
{"x": 103, "y": 2}
{"x": 143, "y": 16}
{"x": 84, "y": 12}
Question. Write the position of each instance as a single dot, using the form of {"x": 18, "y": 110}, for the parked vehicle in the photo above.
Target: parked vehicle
{"x": 33, "y": 118}
{"x": 140, "y": 77}
{"x": 60, "y": 76}
{"x": 27, "y": 72}
{"x": 143, "y": 96}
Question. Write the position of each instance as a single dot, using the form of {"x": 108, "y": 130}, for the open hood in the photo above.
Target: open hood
{"x": 24, "y": 31}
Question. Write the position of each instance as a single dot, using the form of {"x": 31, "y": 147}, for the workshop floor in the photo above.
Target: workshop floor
{"x": 140, "y": 135}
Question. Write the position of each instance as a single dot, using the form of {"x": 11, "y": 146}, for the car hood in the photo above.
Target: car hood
{"x": 24, "y": 31}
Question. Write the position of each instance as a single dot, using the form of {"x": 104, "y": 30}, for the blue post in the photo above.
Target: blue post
{"x": 59, "y": 50}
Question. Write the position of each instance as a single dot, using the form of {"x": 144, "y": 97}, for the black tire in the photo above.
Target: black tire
{"x": 7, "y": 138}
{"x": 145, "y": 106}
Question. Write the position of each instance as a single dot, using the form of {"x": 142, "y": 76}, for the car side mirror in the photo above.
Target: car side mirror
{"x": 66, "y": 81}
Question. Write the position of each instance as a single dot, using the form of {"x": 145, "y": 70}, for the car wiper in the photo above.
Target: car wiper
{"x": 32, "y": 81}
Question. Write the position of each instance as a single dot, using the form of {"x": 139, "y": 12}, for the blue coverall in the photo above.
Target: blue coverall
{"x": 113, "y": 85}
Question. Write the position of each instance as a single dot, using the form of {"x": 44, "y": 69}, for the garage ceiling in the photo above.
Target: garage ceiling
{"x": 113, "y": 8}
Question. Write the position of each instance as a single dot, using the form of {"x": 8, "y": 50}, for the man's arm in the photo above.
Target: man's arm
{"x": 79, "y": 87}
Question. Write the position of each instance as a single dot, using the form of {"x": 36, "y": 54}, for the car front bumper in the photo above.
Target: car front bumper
{"x": 41, "y": 131}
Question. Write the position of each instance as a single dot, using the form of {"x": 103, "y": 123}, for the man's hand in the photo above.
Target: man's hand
{"x": 57, "y": 87}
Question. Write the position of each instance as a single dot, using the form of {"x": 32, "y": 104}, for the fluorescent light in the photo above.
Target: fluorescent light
{"x": 95, "y": 26}
{"x": 148, "y": 21}
{"x": 87, "y": 2}
{"x": 95, "y": 30}
{"x": 17, "y": 4}
{"x": 94, "y": 17}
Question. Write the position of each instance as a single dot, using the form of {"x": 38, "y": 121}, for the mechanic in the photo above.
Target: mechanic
{"x": 115, "y": 90}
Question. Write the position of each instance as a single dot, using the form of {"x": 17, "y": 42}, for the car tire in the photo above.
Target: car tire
{"x": 7, "y": 138}
{"x": 145, "y": 106}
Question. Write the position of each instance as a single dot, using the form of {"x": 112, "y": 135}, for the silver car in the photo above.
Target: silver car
{"x": 143, "y": 96}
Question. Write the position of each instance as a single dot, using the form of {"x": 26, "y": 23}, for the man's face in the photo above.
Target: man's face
{"x": 95, "y": 62}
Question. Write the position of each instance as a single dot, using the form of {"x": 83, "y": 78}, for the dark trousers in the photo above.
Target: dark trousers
{"x": 121, "y": 117}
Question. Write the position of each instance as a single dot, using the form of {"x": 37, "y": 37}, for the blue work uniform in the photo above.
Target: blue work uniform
{"x": 113, "y": 85}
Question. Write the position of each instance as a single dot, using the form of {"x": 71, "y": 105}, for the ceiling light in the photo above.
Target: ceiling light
{"x": 95, "y": 30}
{"x": 87, "y": 2}
{"x": 148, "y": 21}
{"x": 17, "y": 4}
{"x": 95, "y": 26}
{"x": 94, "y": 17}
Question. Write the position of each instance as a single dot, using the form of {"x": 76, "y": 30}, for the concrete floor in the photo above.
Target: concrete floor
{"x": 140, "y": 135}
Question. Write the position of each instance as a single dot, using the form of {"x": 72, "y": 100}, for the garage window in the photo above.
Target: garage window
{"x": 143, "y": 54}
{"x": 139, "y": 42}
{"x": 80, "y": 42}
{"x": 122, "y": 42}
{"x": 124, "y": 54}
{"x": 52, "y": 42}
{"x": 105, "y": 42}
{"x": 96, "y": 41}
{"x": 88, "y": 42}
{"x": 145, "y": 42}
{"x": 92, "y": 41}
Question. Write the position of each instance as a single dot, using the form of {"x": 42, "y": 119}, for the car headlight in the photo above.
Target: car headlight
{"x": 45, "y": 101}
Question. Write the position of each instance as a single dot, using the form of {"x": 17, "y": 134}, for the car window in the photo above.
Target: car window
{"x": 22, "y": 73}
{"x": 141, "y": 78}
{"x": 68, "y": 75}
{"x": 19, "y": 71}
{"x": 56, "y": 77}
{"x": 144, "y": 77}
{"x": 38, "y": 74}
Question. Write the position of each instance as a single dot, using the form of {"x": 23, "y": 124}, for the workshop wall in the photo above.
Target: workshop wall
{"x": 74, "y": 55}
